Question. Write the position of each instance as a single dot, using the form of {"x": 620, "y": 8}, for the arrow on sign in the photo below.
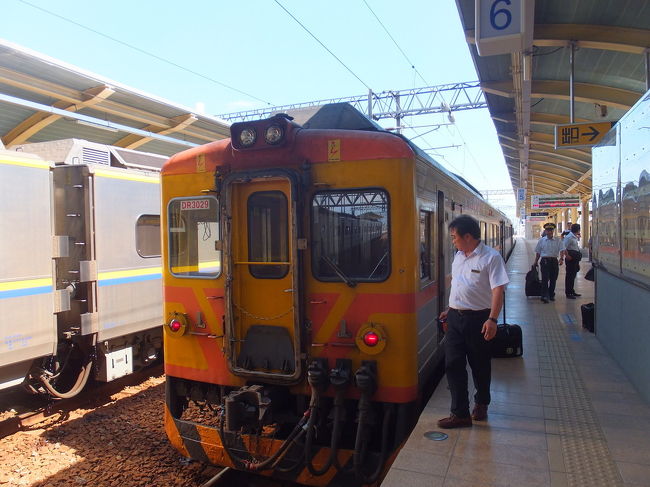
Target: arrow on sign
{"x": 594, "y": 133}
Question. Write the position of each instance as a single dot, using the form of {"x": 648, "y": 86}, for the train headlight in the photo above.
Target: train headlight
{"x": 247, "y": 137}
{"x": 177, "y": 324}
{"x": 273, "y": 134}
{"x": 371, "y": 338}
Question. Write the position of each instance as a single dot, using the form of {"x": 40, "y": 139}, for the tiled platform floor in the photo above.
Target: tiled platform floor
{"x": 564, "y": 414}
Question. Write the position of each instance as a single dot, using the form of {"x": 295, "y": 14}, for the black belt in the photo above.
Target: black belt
{"x": 552, "y": 258}
{"x": 464, "y": 312}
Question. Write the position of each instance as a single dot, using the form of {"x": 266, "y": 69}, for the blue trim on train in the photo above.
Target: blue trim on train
{"x": 28, "y": 291}
{"x": 126, "y": 280}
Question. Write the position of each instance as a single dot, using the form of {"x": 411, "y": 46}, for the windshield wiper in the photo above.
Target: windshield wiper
{"x": 338, "y": 271}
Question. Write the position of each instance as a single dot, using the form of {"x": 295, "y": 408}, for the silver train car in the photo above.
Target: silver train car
{"x": 80, "y": 278}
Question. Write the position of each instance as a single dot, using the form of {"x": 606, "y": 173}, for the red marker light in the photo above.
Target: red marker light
{"x": 371, "y": 339}
{"x": 175, "y": 325}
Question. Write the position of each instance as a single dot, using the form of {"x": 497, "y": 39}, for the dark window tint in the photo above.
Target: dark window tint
{"x": 268, "y": 234}
{"x": 147, "y": 236}
{"x": 350, "y": 235}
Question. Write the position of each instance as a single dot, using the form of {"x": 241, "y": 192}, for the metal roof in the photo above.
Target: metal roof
{"x": 611, "y": 39}
{"x": 44, "y": 99}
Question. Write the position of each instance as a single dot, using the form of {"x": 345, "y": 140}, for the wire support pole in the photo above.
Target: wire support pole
{"x": 415, "y": 101}
{"x": 572, "y": 54}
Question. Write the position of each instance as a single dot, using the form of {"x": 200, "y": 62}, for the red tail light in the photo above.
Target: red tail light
{"x": 371, "y": 339}
{"x": 175, "y": 325}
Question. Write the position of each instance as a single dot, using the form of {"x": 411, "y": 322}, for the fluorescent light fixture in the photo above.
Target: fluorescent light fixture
{"x": 95, "y": 125}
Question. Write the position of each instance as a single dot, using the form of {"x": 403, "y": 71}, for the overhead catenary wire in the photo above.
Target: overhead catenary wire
{"x": 142, "y": 51}
{"x": 395, "y": 42}
{"x": 323, "y": 45}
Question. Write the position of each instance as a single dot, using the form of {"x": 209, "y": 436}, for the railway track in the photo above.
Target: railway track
{"x": 39, "y": 409}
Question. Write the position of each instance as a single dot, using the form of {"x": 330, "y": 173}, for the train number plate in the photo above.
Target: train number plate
{"x": 195, "y": 204}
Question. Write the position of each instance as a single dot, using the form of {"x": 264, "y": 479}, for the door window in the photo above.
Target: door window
{"x": 268, "y": 234}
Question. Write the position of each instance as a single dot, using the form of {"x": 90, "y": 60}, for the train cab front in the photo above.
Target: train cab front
{"x": 244, "y": 388}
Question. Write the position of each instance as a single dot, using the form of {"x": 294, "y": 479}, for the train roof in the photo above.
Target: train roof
{"x": 343, "y": 116}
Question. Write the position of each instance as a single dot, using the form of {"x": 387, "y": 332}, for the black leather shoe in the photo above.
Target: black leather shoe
{"x": 577, "y": 295}
{"x": 544, "y": 300}
{"x": 552, "y": 298}
{"x": 570, "y": 296}
{"x": 454, "y": 421}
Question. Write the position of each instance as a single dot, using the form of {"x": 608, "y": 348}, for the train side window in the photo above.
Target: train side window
{"x": 426, "y": 263}
{"x": 483, "y": 232}
{"x": 147, "y": 236}
{"x": 193, "y": 233}
{"x": 350, "y": 232}
{"x": 268, "y": 234}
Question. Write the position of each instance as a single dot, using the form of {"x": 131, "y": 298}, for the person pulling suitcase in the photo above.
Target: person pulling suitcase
{"x": 551, "y": 253}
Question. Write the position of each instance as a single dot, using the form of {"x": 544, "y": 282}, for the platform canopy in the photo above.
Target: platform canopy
{"x": 44, "y": 99}
{"x": 528, "y": 93}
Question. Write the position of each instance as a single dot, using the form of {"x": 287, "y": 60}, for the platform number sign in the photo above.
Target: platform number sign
{"x": 501, "y": 25}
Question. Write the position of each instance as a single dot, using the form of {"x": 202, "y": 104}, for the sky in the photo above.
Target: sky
{"x": 217, "y": 57}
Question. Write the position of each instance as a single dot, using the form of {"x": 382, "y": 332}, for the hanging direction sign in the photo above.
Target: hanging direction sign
{"x": 539, "y": 213}
{"x": 538, "y": 201}
{"x": 580, "y": 134}
{"x": 533, "y": 218}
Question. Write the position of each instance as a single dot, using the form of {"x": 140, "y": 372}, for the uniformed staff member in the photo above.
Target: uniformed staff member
{"x": 572, "y": 256}
{"x": 478, "y": 279}
{"x": 549, "y": 249}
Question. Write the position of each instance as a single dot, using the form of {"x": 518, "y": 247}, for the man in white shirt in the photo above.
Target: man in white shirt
{"x": 549, "y": 248}
{"x": 478, "y": 280}
{"x": 573, "y": 255}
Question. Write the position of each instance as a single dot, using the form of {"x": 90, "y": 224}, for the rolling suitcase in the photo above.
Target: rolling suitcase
{"x": 533, "y": 283}
{"x": 508, "y": 341}
{"x": 587, "y": 311}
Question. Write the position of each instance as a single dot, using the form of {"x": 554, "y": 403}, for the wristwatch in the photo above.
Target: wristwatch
{"x": 493, "y": 319}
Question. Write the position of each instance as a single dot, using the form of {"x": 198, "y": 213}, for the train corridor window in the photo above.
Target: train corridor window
{"x": 147, "y": 236}
{"x": 193, "y": 233}
{"x": 268, "y": 234}
{"x": 483, "y": 232}
{"x": 350, "y": 235}
{"x": 425, "y": 246}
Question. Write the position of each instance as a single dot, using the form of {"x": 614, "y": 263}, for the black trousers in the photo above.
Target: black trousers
{"x": 464, "y": 343}
{"x": 550, "y": 269}
{"x": 572, "y": 268}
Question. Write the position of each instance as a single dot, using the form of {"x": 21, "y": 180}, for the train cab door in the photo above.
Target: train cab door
{"x": 443, "y": 246}
{"x": 262, "y": 288}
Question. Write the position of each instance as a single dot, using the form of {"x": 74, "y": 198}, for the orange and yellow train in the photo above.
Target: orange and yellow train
{"x": 304, "y": 268}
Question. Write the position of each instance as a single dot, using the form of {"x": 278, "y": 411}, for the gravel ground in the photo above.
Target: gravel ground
{"x": 120, "y": 443}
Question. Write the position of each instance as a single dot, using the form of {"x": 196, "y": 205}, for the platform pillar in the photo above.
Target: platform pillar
{"x": 584, "y": 223}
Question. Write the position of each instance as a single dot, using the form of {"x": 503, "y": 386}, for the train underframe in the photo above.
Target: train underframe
{"x": 312, "y": 439}
{"x": 80, "y": 358}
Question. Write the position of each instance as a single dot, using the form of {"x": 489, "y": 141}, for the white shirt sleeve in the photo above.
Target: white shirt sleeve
{"x": 498, "y": 274}
{"x": 538, "y": 247}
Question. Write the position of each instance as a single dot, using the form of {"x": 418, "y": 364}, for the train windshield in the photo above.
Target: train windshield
{"x": 193, "y": 234}
{"x": 350, "y": 235}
